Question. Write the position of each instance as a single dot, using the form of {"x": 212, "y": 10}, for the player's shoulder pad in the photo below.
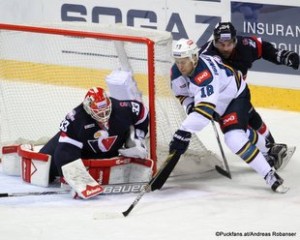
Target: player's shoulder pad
{"x": 75, "y": 113}
{"x": 204, "y": 71}
{"x": 248, "y": 41}
{"x": 208, "y": 48}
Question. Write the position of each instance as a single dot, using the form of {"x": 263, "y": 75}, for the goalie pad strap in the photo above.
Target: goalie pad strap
{"x": 26, "y": 153}
{"x": 10, "y": 149}
{"x": 33, "y": 167}
{"x": 11, "y": 161}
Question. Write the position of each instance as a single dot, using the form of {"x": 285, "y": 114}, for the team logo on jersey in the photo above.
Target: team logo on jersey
{"x": 101, "y": 133}
{"x": 105, "y": 142}
{"x": 229, "y": 119}
{"x": 202, "y": 77}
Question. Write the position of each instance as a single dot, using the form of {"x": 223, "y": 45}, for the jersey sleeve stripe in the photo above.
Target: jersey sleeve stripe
{"x": 205, "y": 109}
{"x": 64, "y": 138}
{"x": 143, "y": 115}
{"x": 259, "y": 46}
{"x": 181, "y": 98}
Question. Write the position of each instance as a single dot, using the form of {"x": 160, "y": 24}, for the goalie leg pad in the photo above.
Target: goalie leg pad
{"x": 120, "y": 170}
{"x": 35, "y": 166}
{"x": 76, "y": 175}
{"x": 11, "y": 161}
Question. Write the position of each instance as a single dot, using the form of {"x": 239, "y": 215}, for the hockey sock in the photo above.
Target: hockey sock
{"x": 238, "y": 142}
{"x": 265, "y": 132}
{"x": 258, "y": 140}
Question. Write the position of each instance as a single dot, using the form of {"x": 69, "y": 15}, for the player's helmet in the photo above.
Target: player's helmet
{"x": 185, "y": 48}
{"x": 224, "y": 31}
{"x": 97, "y": 104}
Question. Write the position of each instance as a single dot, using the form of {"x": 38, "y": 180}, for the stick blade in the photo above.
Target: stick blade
{"x": 126, "y": 213}
{"x": 223, "y": 172}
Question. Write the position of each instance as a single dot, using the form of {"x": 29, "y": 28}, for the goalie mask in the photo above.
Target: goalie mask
{"x": 186, "y": 48}
{"x": 98, "y": 105}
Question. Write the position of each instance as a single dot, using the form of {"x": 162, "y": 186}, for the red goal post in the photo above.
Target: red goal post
{"x": 46, "y": 70}
{"x": 150, "y": 53}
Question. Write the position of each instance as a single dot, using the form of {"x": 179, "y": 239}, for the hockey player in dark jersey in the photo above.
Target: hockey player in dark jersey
{"x": 206, "y": 88}
{"x": 98, "y": 128}
{"x": 240, "y": 52}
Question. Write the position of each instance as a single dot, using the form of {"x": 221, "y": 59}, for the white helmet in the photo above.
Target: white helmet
{"x": 185, "y": 48}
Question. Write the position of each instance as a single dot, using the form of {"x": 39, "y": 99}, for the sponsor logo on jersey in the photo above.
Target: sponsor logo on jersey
{"x": 124, "y": 104}
{"x": 229, "y": 119}
{"x": 202, "y": 77}
{"x": 89, "y": 126}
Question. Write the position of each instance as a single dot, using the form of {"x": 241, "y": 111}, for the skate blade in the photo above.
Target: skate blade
{"x": 289, "y": 153}
{"x": 282, "y": 189}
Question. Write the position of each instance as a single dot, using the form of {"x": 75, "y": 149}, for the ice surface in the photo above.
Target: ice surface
{"x": 188, "y": 207}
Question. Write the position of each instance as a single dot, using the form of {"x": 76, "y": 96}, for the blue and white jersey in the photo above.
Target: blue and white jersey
{"x": 211, "y": 86}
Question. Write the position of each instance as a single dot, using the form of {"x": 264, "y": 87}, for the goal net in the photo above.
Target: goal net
{"x": 45, "y": 72}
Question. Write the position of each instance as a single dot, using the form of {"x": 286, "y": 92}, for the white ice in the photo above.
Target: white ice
{"x": 207, "y": 206}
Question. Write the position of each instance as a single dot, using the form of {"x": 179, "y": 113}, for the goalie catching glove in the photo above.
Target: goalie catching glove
{"x": 134, "y": 146}
{"x": 288, "y": 58}
{"x": 180, "y": 142}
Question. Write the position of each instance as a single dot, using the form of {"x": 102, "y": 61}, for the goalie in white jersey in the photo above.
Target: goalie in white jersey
{"x": 208, "y": 90}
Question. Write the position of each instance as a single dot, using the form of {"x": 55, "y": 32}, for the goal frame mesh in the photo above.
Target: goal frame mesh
{"x": 151, "y": 66}
{"x": 153, "y": 148}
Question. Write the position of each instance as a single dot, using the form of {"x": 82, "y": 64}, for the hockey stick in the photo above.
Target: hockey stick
{"x": 157, "y": 180}
{"x": 107, "y": 189}
{"x": 24, "y": 194}
{"x": 225, "y": 172}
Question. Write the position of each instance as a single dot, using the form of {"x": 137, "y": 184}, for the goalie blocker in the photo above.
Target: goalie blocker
{"x": 84, "y": 176}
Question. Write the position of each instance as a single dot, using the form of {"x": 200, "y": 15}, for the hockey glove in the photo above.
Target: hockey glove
{"x": 180, "y": 141}
{"x": 139, "y": 151}
{"x": 289, "y": 58}
{"x": 134, "y": 146}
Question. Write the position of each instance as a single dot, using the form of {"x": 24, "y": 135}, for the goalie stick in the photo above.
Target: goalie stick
{"x": 157, "y": 180}
{"x": 107, "y": 189}
{"x": 225, "y": 172}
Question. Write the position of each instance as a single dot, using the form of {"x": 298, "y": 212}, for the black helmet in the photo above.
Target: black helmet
{"x": 224, "y": 31}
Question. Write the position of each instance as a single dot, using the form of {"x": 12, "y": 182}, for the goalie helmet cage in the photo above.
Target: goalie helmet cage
{"x": 46, "y": 70}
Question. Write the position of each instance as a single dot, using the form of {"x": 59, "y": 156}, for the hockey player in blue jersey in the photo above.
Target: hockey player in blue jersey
{"x": 207, "y": 88}
{"x": 240, "y": 52}
{"x": 98, "y": 128}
